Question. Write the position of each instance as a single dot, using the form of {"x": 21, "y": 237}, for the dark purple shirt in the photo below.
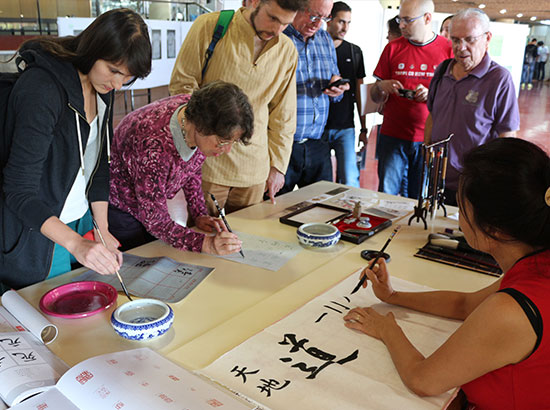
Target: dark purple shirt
{"x": 477, "y": 108}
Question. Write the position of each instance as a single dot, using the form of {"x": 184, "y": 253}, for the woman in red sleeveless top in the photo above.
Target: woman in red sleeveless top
{"x": 499, "y": 356}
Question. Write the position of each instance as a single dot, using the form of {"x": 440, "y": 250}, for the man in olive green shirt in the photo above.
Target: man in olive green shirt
{"x": 255, "y": 56}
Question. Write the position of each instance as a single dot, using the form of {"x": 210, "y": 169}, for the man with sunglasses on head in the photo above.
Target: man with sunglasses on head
{"x": 404, "y": 72}
{"x": 475, "y": 98}
{"x": 255, "y": 56}
{"x": 317, "y": 69}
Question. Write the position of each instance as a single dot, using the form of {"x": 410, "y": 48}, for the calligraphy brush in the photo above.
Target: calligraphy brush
{"x": 96, "y": 226}
{"x": 222, "y": 214}
{"x": 378, "y": 255}
{"x": 438, "y": 250}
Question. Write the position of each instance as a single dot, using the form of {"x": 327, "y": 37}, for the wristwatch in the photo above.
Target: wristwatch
{"x": 364, "y": 130}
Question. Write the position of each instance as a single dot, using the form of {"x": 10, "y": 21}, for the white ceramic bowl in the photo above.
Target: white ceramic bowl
{"x": 318, "y": 235}
{"x": 142, "y": 319}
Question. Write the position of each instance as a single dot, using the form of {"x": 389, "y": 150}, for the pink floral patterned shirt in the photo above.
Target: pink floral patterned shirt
{"x": 147, "y": 169}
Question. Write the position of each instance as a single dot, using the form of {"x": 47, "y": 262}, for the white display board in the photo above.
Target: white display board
{"x": 166, "y": 38}
{"x": 368, "y": 30}
{"x": 508, "y": 46}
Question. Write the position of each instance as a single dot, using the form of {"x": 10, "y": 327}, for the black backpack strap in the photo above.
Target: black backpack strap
{"x": 354, "y": 60}
{"x": 531, "y": 311}
{"x": 219, "y": 31}
{"x": 439, "y": 75}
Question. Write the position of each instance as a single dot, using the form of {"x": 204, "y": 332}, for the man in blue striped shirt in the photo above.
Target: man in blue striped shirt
{"x": 317, "y": 68}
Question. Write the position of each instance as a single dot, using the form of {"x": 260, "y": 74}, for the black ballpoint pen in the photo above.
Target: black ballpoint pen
{"x": 222, "y": 214}
{"x": 378, "y": 255}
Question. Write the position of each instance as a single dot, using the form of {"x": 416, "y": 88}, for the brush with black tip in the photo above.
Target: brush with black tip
{"x": 222, "y": 215}
{"x": 378, "y": 255}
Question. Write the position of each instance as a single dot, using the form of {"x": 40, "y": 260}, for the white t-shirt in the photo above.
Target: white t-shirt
{"x": 542, "y": 51}
{"x": 76, "y": 203}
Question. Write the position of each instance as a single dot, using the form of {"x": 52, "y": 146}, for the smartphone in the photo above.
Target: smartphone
{"x": 409, "y": 94}
{"x": 338, "y": 83}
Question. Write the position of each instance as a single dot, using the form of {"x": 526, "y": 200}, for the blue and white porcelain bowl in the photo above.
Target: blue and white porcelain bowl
{"x": 142, "y": 319}
{"x": 318, "y": 235}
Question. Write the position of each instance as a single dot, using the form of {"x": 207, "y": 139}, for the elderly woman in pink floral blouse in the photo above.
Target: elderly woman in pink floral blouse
{"x": 158, "y": 151}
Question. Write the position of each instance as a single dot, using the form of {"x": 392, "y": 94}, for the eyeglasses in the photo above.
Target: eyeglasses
{"x": 468, "y": 40}
{"x": 407, "y": 20}
{"x": 223, "y": 143}
{"x": 316, "y": 18}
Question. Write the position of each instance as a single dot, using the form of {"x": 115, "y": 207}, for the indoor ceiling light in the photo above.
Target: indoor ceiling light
{"x": 503, "y": 11}
{"x": 533, "y": 18}
{"x": 482, "y": 6}
{"x": 519, "y": 15}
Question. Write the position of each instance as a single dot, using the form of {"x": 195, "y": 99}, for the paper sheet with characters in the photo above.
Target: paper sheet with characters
{"x": 310, "y": 360}
{"x": 26, "y": 367}
{"x": 266, "y": 253}
{"x": 158, "y": 278}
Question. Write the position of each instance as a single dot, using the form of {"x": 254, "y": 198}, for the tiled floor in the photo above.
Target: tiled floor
{"x": 534, "y": 107}
{"x": 534, "y": 110}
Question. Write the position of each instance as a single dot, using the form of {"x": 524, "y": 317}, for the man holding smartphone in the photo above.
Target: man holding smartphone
{"x": 407, "y": 64}
{"x": 340, "y": 128}
{"x": 316, "y": 71}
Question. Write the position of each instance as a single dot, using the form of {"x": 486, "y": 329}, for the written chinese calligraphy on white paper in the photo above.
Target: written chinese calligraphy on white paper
{"x": 158, "y": 278}
{"x": 310, "y": 360}
{"x": 263, "y": 252}
{"x": 27, "y": 367}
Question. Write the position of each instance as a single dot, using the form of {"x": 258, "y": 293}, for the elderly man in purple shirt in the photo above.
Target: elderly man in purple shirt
{"x": 474, "y": 99}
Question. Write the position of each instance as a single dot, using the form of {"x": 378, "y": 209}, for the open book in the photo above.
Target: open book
{"x": 132, "y": 379}
{"x": 27, "y": 367}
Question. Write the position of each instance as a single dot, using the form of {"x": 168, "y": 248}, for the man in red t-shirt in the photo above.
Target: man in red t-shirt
{"x": 404, "y": 72}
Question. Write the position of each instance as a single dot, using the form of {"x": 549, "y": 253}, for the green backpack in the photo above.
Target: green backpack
{"x": 219, "y": 31}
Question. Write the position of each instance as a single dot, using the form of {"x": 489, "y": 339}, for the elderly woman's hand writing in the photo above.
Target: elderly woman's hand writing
{"x": 222, "y": 243}
{"x": 210, "y": 224}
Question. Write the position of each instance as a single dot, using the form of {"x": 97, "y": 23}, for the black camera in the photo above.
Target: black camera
{"x": 408, "y": 94}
